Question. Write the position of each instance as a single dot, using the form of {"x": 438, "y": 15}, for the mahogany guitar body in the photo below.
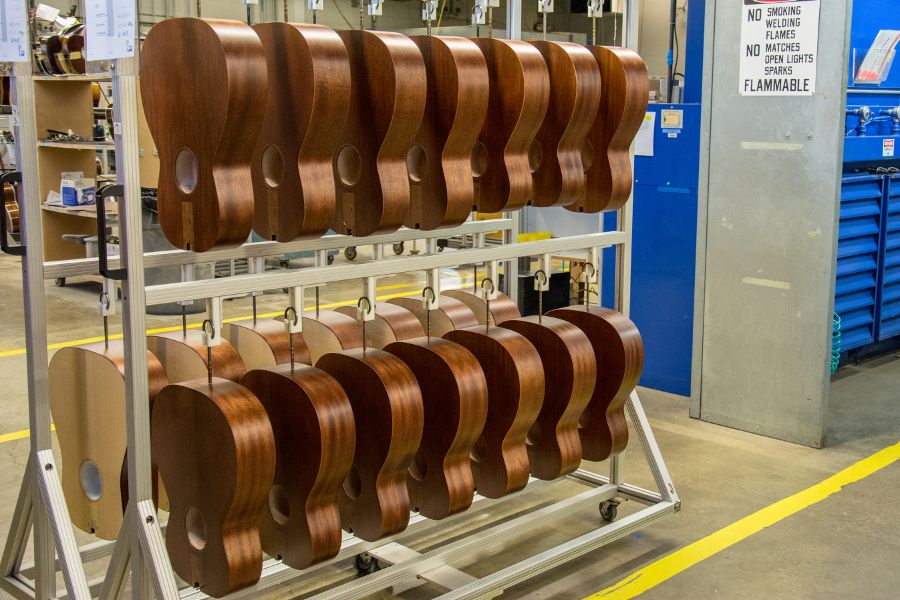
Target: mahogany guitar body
{"x": 206, "y": 132}
{"x": 574, "y": 95}
{"x": 451, "y": 314}
{"x": 387, "y": 100}
{"x": 315, "y": 434}
{"x": 502, "y": 308}
{"x": 183, "y": 357}
{"x": 570, "y": 371}
{"x": 455, "y": 398}
{"x": 216, "y": 455}
{"x": 440, "y": 161}
{"x": 623, "y": 104}
{"x": 12, "y": 216}
{"x": 392, "y": 323}
{"x": 620, "y": 360}
{"x": 518, "y": 98}
{"x": 309, "y": 94}
{"x": 87, "y": 400}
{"x": 264, "y": 344}
{"x": 515, "y": 379}
{"x": 330, "y": 332}
{"x": 387, "y": 408}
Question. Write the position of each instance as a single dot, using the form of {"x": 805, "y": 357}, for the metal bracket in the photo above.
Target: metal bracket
{"x": 374, "y": 8}
{"x": 214, "y": 314}
{"x": 433, "y": 280}
{"x": 368, "y": 313}
{"x": 295, "y": 301}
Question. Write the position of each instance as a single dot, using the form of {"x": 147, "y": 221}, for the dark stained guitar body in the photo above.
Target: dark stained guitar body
{"x": 574, "y": 96}
{"x": 440, "y": 162}
{"x": 11, "y": 203}
{"x": 502, "y": 308}
{"x": 392, "y": 323}
{"x": 387, "y": 100}
{"x": 216, "y": 455}
{"x": 451, "y": 314}
{"x": 570, "y": 371}
{"x": 183, "y": 356}
{"x": 519, "y": 96}
{"x": 331, "y": 331}
{"x": 71, "y": 57}
{"x": 387, "y": 408}
{"x": 206, "y": 132}
{"x": 455, "y": 397}
{"x": 264, "y": 344}
{"x": 620, "y": 359}
{"x": 515, "y": 379}
{"x": 623, "y": 104}
{"x": 315, "y": 437}
{"x": 309, "y": 94}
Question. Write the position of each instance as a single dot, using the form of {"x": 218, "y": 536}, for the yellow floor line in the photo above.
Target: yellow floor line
{"x": 461, "y": 279}
{"x": 19, "y": 435}
{"x": 684, "y": 558}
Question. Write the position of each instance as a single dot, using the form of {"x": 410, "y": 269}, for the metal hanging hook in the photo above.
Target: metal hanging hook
{"x": 104, "y": 309}
{"x": 212, "y": 334}
{"x": 487, "y": 302}
{"x": 360, "y": 312}
{"x": 541, "y": 277}
{"x": 429, "y": 295}
{"x": 288, "y": 311}
{"x": 587, "y": 284}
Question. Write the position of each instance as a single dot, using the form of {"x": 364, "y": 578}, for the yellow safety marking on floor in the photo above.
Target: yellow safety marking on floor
{"x": 19, "y": 435}
{"x": 455, "y": 280}
{"x": 684, "y": 558}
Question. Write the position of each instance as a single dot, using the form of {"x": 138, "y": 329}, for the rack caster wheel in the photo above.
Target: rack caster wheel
{"x": 350, "y": 253}
{"x": 609, "y": 510}
{"x": 366, "y": 564}
{"x": 60, "y": 282}
{"x": 330, "y": 259}
{"x": 398, "y": 248}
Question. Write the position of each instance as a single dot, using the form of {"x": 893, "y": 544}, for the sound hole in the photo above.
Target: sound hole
{"x": 479, "y": 159}
{"x": 186, "y": 170}
{"x": 587, "y": 154}
{"x": 352, "y": 484}
{"x": 419, "y": 467}
{"x": 348, "y": 165}
{"x": 416, "y": 161}
{"x": 480, "y": 450}
{"x": 279, "y": 505}
{"x": 272, "y": 166}
{"x": 91, "y": 481}
{"x": 535, "y": 156}
{"x": 195, "y": 527}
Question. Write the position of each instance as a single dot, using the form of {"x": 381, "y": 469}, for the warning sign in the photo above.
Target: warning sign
{"x": 779, "y": 47}
{"x": 887, "y": 148}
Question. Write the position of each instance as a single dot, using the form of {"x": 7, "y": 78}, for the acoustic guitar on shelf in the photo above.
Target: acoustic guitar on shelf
{"x": 502, "y": 308}
{"x": 206, "y": 133}
{"x": 557, "y": 151}
{"x": 451, "y": 314}
{"x": 387, "y": 100}
{"x": 265, "y": 343}
{"x": 518, "y": 98}
{"x": 440, "y": 160}
{"x": 309, "y": 95}
{"x": 392, "y": 323}
{"x": 623, "y": 104}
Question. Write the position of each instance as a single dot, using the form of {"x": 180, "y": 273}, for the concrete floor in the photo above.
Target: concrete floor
{"x": 843, "y": 547}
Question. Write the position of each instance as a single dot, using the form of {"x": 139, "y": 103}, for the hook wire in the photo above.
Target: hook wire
{"x": 287, "y": 311}
{"x": 212, "y": 334}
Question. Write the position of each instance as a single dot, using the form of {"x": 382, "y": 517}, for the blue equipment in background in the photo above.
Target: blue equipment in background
{"x": 867, "y": 286}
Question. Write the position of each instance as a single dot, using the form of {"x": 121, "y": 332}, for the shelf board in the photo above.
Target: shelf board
{"x": 89, "y": 211}
{"x": 77, "y": 145}
{"x": 72, "y": 77}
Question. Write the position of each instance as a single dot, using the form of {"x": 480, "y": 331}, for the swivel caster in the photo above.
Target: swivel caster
{"x": 398, "y": 248}
{"x": 609, "y": 510}
{"x": 350, "y": 253}
{"x": 366, "y": 564}
{"x": 60, "y": 282}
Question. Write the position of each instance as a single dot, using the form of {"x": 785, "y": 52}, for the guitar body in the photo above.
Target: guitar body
{"x": 312, "y": 422}
{"x": 387, "y": 100}
{"x": 264, "y": 344}
{"x": 440, "y": 161}
{"x": 515, "y": 379}
{"x": 207, "y": 131}
{"x": 72, "y": 56}
{"x": 455, "y": 398}
{"x": 309, "y": 94}
{"x": 5, "y": 94}
{"x": 450, "y": 315}
{"x": 387, "y": 408}
{"x": 574, "y": 95}
{"x": 183, "y": 357}
{"x": 12, "y": 215}
{"x": 623, "y": 104}
{"x": 502, "y": 308}
{"x": 51, "y": 47}
{"x": 570, "y": 371}
{"x": 620, "y": 360}
{"x": 518, "y": 98}
{"x": 87, "y": 400}
{"x": 216, "y": 455}
{"x": 392, "y": 323}
{"x": 330, "y": 332}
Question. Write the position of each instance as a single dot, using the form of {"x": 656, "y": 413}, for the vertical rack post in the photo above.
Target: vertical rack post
{"x": 511, "y": 235}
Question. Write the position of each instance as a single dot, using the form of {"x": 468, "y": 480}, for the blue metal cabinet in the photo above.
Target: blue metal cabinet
{"x": 889, "y": 322}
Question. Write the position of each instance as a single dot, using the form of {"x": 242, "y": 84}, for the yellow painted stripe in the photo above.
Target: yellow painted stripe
{"x": 684, "y": 558}
{"x": 19, "y": 435}
{"x": 92, "y": 340}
